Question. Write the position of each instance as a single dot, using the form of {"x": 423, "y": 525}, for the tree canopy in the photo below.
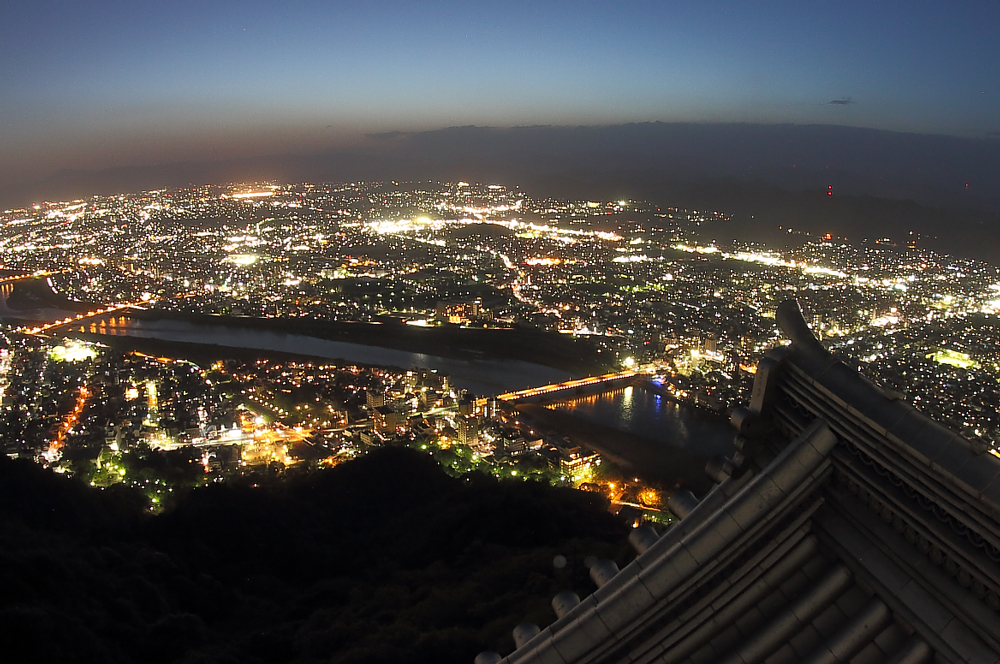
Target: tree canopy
{"x": 382, "y": 559}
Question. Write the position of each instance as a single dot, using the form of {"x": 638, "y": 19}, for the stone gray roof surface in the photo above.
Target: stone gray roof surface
{"x": 848, "y": 527}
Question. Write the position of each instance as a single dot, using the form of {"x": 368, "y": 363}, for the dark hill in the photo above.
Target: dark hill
{"x": 667, "y": 163}
{"x": 764, "y": 213}
{"x": 383, "y": 559}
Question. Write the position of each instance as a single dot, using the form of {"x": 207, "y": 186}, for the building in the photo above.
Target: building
{"x": 467, "y": 427}
{"x": 466, "y": 406}
{"x": 374, "y": 399}
{"x": 459, "y": 311}
{"x": 577, "y": 461}
{"x": 847, "y": 527}
{"x": 513, "y": 444}
{"x": 384, "y": 418}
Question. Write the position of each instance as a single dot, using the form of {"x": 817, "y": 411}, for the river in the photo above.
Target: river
{"x": 663, "y": 422}
{"x": 661, "y": 427}
{"x": 482, "y": 377}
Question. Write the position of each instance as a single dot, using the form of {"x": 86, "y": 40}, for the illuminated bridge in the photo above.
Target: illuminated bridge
{"x": 847, "y": 528}
{"x": 55, "y": 313}
{"x": 6, "y": 289}
{"x": 111, "y": 319}
{"x": 588, "y": 385}
{"x": 107, "y": 320}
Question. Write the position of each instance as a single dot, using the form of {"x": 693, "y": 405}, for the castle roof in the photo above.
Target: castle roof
{"x": 848, "y": 527}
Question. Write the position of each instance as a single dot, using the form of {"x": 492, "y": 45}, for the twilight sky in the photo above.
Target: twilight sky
{"x": 121, "y": 82}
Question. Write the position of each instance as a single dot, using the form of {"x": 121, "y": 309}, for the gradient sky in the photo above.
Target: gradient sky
{"x": 86, "y": 84}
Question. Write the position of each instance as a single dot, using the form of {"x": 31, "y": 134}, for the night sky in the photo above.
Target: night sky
{"x": 111, "y": 83}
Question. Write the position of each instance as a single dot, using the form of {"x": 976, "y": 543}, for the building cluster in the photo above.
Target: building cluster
{"x": 114, "y": 417}
{"x": 647, "y": 285}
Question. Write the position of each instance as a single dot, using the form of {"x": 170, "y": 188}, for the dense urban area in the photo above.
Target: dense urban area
{"x": 663, "y": 293}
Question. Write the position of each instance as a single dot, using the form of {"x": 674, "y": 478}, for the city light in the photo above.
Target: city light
{"x": 686, "y": 317}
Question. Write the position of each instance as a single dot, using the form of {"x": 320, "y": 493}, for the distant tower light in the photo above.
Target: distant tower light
{"x": 829, "y": 190}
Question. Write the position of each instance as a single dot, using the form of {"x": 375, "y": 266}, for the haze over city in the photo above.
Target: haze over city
{"x": 111, "y": 84}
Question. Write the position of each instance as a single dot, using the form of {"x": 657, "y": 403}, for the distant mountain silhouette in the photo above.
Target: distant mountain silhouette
{"x": 667, "y": 163}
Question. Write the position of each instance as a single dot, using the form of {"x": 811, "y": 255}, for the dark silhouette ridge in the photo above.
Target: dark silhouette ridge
{"x": 926, "y": 168}
{"x": 771, "y": 173}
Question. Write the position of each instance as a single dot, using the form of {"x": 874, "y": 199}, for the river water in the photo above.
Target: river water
{"x": 481, "y": 377}
{"x": 664, "y": 422}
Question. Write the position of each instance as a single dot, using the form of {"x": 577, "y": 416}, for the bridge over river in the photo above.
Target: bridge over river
{"x": 573, "y": 388}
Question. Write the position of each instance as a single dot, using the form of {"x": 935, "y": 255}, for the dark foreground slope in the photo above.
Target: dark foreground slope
{"x": 383, "y": 559}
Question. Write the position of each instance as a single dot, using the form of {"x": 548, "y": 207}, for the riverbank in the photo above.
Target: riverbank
{"x": 716, "y": 409}
{"x": 646, "y": 458}
{"x": 483, "y": 376}
{"x": 201, "y": 354}
{"x": 573, "y": 355}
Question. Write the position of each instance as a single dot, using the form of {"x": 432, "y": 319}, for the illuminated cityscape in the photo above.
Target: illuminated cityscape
{"x": 590, "y": 333}
{"x": 654, "y": 292}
